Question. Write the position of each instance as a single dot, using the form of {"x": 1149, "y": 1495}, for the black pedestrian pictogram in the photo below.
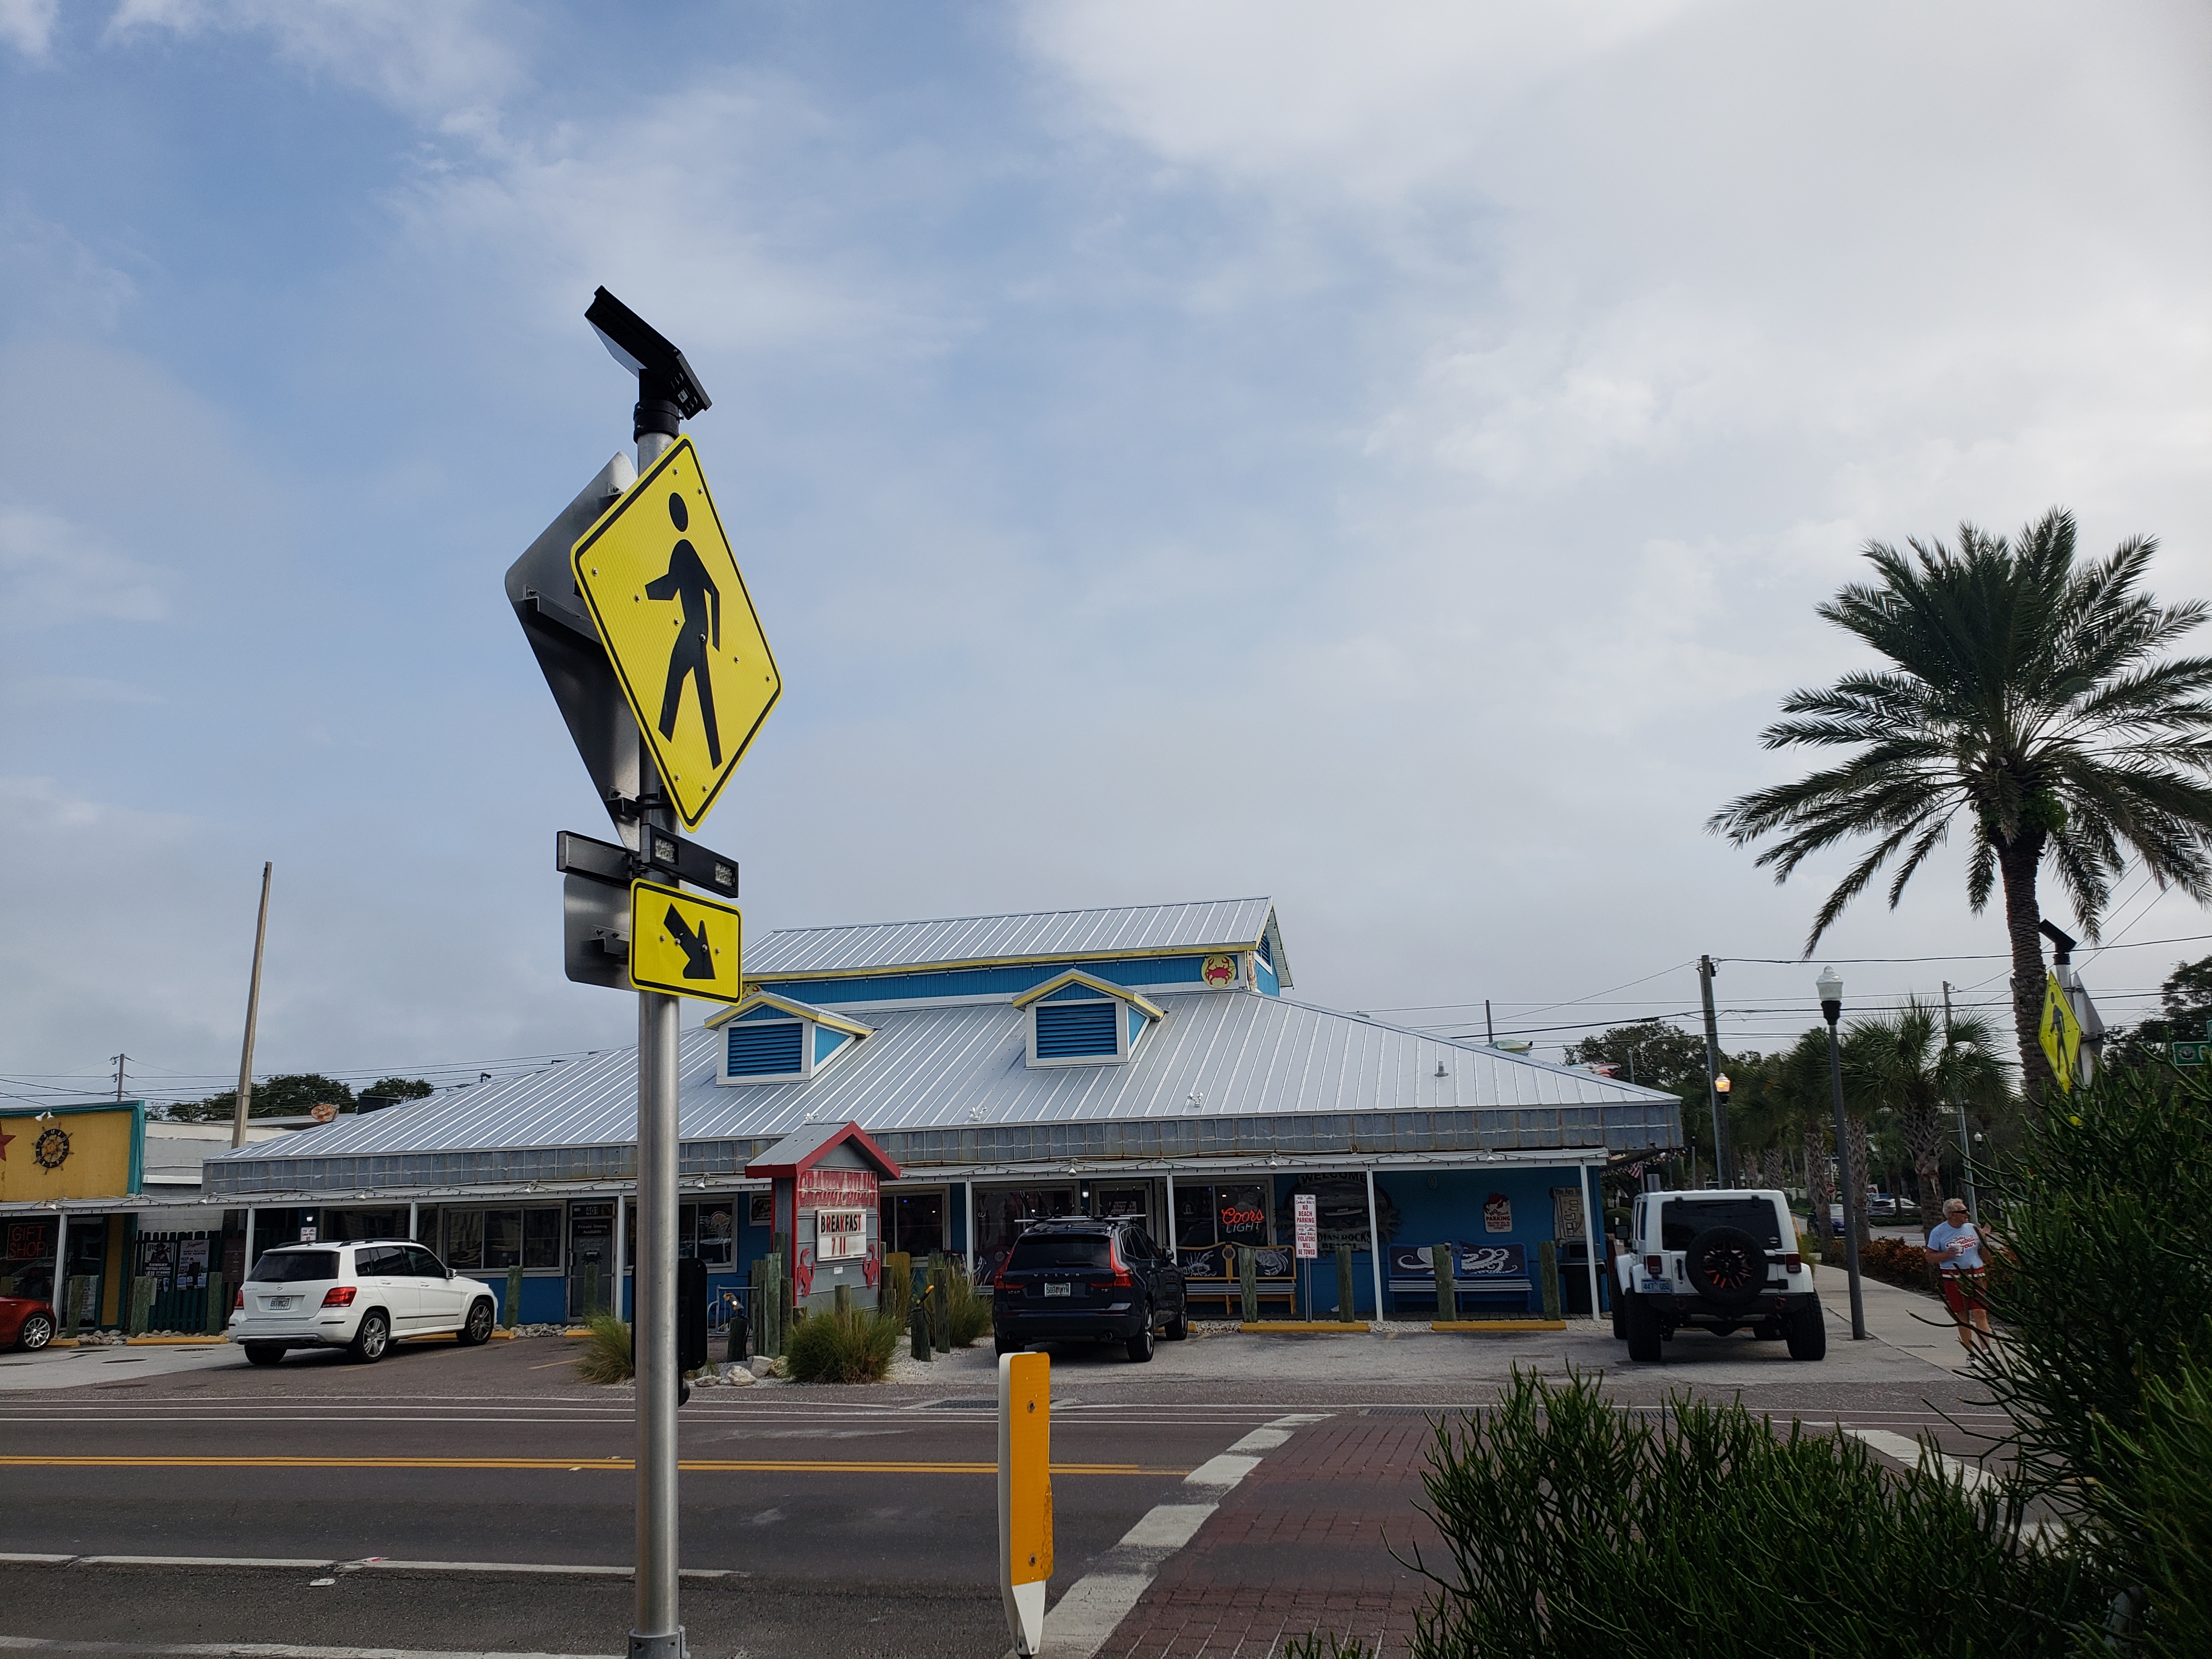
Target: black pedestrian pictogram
{"x": 687, "y": 580}
{"x": 698, "y": 955}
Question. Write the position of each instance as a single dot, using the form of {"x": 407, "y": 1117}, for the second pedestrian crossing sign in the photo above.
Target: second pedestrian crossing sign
{"x": 664, "y": 588}
{"x": 684, "y": 944}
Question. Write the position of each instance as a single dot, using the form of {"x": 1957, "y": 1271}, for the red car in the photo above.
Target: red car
{"x": 25, "y": 1322}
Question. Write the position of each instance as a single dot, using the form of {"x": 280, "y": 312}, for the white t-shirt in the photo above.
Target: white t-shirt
{"x": 1943, "y": 1234}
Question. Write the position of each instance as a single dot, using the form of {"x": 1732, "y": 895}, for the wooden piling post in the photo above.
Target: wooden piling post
{"x": 1346, "y": 1311}
{"x": 1548, "y": 1277}
{"x": 1440, "y": 1259}
{"x": 1247, "y": 1282}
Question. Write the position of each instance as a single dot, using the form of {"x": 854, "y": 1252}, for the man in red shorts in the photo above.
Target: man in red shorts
{"x": 1954, "y": 1245}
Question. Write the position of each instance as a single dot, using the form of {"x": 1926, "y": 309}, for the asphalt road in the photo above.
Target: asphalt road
{"x": 830, "y": 1522}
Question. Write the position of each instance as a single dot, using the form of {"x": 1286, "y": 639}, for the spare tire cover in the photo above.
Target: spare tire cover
{"x": 1726, "y": 1265}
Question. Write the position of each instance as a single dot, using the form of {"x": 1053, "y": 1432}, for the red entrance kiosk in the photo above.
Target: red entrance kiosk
{"x": 828, "y": 1202}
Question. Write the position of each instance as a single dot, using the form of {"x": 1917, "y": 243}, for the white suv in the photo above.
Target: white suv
{"x": 361, "y": 1297}
{"x": 1716, "y": 1260}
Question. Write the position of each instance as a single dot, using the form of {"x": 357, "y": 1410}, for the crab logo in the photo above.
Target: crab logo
{"x": 1219, "y": 970}
{"x": 51, "y": 1150}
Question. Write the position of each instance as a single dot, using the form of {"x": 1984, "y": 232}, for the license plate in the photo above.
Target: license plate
{"x": 1657, "y": 1287}
{"x": 279, "y": 1301}
{"x": 1059, "y": 1290}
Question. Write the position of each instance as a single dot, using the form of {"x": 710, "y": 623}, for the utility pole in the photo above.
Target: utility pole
{"x": 120, "y": 1061}
{"x": 1706, "y": 969}
{"x": 252, "y": 1016}
{"x": 1966, "y": 1145}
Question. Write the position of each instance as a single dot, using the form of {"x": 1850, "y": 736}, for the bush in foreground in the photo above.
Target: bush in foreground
{"x": 853, "y": 1347}
{"x": 2101, "y": 1292}
{"x": 1572, "y": 1529}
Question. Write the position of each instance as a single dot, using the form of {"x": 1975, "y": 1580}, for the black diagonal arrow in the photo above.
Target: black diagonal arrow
{"x": 698, "y": 955}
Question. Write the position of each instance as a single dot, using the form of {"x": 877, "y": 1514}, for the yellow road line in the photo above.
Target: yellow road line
{"x": 779, "y": 1466}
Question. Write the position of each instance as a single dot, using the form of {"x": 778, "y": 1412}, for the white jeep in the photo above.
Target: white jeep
{"x": 1717, "y": 1260}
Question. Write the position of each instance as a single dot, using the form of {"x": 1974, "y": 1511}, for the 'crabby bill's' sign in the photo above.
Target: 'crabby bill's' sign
{"x": 672, "y": 610}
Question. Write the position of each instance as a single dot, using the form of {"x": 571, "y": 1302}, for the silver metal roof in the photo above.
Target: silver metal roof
{"x": 1214, "y": 1055}
{"x": 1043, "y": 936}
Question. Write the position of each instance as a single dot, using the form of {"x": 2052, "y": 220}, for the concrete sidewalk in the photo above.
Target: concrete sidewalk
{"x": 1905, "y": 1319}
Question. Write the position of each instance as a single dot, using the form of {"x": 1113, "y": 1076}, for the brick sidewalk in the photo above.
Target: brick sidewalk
{"x": 1299, "y": 1545}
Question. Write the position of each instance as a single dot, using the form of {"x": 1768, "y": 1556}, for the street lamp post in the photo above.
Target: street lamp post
{"x": 1831, "y": 988}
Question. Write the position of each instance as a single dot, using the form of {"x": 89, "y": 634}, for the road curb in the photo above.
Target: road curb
{"x": 1306, "y": 1326}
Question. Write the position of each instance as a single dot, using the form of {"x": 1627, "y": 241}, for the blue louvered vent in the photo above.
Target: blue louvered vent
{"x": 1266, "y": 951}
{"x": 1070, "y": 1030}
{"x": 764, "y": 1047}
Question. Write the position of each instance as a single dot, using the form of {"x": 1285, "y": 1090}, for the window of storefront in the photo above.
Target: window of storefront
{"x": 1237, "y": 1214}
{"x": 481, "y": 1241}
{"x": 708, "y": 1232}
{"x": 343, "y": 1225}
{"x": 1002, "y": 1212}
{"x": 27, "y": 1267}
{"x": 914, "y": 1221}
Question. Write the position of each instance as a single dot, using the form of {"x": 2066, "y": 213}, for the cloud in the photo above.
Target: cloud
{"x": 53, "y": 571}
{"x": 448, "y": 61}
{"x": 31, "y": 690}
{"x": 28, "y": 25}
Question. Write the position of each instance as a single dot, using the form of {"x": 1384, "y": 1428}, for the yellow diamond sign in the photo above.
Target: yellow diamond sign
{"x": 663, "y": 585}
{"x": 2061, "y": 1033}
{"x": 684, "y": 945}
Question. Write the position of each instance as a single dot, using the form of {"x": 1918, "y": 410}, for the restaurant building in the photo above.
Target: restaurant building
{"x": 1143, "y": 1061}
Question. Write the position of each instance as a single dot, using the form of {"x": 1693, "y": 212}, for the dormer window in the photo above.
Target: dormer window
{"x": 1077, "y": 1019}
{"x": 772, "y": 1039}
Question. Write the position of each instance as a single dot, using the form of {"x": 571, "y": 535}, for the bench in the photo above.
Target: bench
{"x": 1480, "y": 1271}
{"x": 1210, "y": 1274}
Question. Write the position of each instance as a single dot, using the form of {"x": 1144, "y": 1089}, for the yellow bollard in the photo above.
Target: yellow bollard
{"x": 1024, "y": 1494}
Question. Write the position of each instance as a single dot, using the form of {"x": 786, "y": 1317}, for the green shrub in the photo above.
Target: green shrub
{"x": 2168, "y": 1510}
{"x": 2100, "y": 1286}
{"x": 898, "y": 1285}
{"x": 968, "y": 1309}
{"x": 1898, "y": 1261}
{"x": 853, "y": 1347}
{"x": 1572, "y": 1528}
{"x": 606, "y": 1357}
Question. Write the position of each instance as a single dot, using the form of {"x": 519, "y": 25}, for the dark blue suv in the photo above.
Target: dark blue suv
{"x": 1088, "y": 1281}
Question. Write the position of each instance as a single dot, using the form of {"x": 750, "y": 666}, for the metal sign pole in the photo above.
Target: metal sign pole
{"x": 656, "y": 1635}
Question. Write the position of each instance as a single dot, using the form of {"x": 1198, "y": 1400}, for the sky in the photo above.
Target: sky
{"x": 1385, "y": 458}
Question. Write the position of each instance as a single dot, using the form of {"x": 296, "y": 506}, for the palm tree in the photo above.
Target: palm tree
{"x": 1801, "y": 1089}
{"x": 2024, "y": 694}
{"x": 1907, "y": 1062}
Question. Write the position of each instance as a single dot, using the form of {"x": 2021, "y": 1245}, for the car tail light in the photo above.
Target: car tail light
{"x": 238, "y": 1306}
{"x": 1655, "y": 1266}
{"x": 338, "y": 1295}
{"x": 1793, "y": 1263}
{"x": 1122, "y": 1279}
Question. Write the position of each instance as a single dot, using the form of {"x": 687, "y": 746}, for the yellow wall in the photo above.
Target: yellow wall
{"x": 97, "y": 1163}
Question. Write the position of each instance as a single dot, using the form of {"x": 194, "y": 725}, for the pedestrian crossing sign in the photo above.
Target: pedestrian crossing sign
{"x": 2061, "y": 1033}
{"x": 663, "y": 587}
{"x": 684, "y": 944}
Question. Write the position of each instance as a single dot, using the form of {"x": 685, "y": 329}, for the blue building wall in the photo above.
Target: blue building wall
{"x": 1435, "y": 1206}
{"x": 1010, "y": 981}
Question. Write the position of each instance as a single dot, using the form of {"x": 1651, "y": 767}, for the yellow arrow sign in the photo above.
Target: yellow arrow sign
{"x": 672, "y": 609}
{"x": 2061, "y": 1033}
{"x": 685, "y": 945}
